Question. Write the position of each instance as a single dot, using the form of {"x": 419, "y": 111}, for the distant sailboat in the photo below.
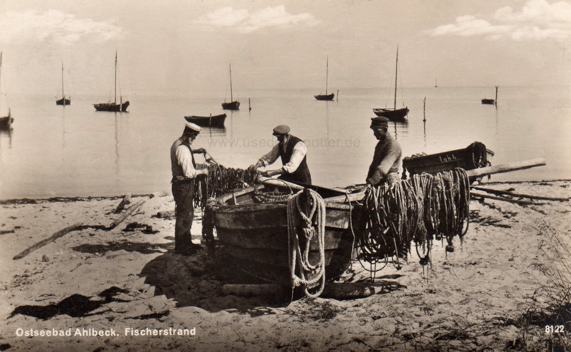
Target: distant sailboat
{"x": 5, "y": 121}
{"x": 490, "y": 101}
{"x": 393, "y": 114}
{"x": 114, "y": 106}
{"x": 326, "y": 97}
{"x": 233, "y": 104}
{"x": 63, "y": 101}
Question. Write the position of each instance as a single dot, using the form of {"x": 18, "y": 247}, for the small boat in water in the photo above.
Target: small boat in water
{"x": 232, "y": 104}
{"x": 113, "y": 106}
{"x": 325, "y": 97}
{"x": 6, "y": 121}
{"x": 63, "y": 101}
{"x": 489, "y": 101}
{"x": 216, "y": 121}
{"x": 255, "y": 244}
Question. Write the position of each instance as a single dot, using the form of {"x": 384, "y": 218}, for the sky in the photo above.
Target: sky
{"x": 185, "y": 46}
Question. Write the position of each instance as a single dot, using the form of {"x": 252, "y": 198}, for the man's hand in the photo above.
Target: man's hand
{"x": 375, "y": 179}
{"x": 204, "y": 172}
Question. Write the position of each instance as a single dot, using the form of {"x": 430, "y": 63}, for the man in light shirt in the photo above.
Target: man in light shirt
{"x": 184, "y": 173}
{"x": 292, "y": 152}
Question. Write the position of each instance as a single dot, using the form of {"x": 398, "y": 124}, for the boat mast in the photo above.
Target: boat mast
{"x": 231, "y": 97}
{"x": 496, "y": 101}
{"x": 396, "y": 76}
{"x": 326, "y": 73}
{"x": 62, "y": 94}
{"x": 115, "y": 97}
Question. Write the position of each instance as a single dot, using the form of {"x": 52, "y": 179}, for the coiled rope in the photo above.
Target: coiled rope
{"x": 300, "y": 238}
{"x": 421, "y": 209}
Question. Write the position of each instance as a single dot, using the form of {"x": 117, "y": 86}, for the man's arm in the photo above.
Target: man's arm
{"x": 270, "y": 157}
{"x": 185, "y": 161}
{"x": 299, "y": 152}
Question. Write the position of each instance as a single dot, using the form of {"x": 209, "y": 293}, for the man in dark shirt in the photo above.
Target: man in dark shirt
{"x": 387, "y": 157}
{"x": 292, "y": 152}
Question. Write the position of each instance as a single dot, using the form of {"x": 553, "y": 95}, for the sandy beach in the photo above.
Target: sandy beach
{"x": 506, "y": 287}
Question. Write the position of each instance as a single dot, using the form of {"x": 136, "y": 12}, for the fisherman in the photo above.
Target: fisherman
{"x": 184, "y": 173}
{"x": 292, "y": 152}
{"x": 387, "y": 157}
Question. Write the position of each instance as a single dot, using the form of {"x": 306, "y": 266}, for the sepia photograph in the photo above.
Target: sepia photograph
{"x": 285, "y": 175}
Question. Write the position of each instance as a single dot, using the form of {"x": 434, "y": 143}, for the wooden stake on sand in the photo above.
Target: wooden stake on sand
{"x": 130, "y": 211}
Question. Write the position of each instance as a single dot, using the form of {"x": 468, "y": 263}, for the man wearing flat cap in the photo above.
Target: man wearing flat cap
{"x": 292, "y": 152}
{"x": 184, "y": 173}
{"x": 387, "y": 157}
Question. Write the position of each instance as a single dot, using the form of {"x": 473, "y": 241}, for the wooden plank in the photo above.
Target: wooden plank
{"x": 128, "y": 213}
{"x": 271, "y": 238}
{"x": 520, "y": 195}
{"x": 508, "y": 167}
{"x": 515, "y": 201}
{"x": 55, "y": 236}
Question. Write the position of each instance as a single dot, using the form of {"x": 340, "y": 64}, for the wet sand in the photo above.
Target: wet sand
{"x": 497, "y": 291}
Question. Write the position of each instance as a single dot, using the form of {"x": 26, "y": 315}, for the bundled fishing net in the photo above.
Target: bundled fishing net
{"x": 220, "y": 180}
{"x": 421, "y": 209}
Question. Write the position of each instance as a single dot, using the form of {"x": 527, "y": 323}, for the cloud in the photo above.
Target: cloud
{"x": 537, "y": 20}
{"x": 245, "y": 22}
{"x": 54, "y": 26}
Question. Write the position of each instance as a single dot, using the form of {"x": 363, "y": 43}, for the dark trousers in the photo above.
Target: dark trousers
{"x": 183, "y": 193}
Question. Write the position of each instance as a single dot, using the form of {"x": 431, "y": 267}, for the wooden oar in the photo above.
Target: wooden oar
{"x": 294, "y": 186}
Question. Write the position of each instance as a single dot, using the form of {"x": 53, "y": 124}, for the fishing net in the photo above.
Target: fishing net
{"x": 419, "y": 210}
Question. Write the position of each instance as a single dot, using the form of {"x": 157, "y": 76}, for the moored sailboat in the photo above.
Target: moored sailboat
{"x": 233, "y": 104}
{"x": 5, "y": 121}
{"x": 326, "y": 96}
{"x": 393, "y": 114}
{"x": 113, "y": 106}
{"x": 63, "y": 101}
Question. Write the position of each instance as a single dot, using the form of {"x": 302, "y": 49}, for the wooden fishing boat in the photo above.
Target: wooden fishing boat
{"x": 63, "y": 101}
{"x": 216, "y": 121}
{"x": 474, "y": 156}
{"x": 113, "y": 106}
{"x": 254, "y": 239}
{"x": 326, "y": 96}
{"x": 232, "y": 104}
{"x": 393, "y": 114}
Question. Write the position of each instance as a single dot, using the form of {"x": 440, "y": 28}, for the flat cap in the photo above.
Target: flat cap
{"x": 190, "y": 127}
{"x": 281, "y": 129}
{"x": 379, "y": 121}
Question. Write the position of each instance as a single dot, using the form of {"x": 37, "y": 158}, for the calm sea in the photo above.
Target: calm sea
{"x": 56, "y": 151}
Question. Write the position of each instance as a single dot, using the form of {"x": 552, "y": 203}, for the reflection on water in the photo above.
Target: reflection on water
{"x": 400, "y": 128}
{"x": 214, "y": 131}
{"x": 6, "y": 138}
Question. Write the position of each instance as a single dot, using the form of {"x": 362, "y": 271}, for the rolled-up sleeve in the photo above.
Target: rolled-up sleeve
{"x": 270, "y": 157}
{"x": 299, "y": 152}
{"x": 184, "y": 159}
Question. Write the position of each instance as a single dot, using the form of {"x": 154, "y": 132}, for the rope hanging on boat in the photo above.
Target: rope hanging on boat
{"x": 300, "y": 238}
{"x": 420, "y": 209}
{"x": 220, "y": 180}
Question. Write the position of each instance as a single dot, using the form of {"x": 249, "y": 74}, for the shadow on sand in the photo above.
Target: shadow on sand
{"x": 191, "y": 281}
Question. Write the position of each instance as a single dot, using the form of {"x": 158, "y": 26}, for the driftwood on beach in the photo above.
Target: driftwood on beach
{"x": 78, "y": 226}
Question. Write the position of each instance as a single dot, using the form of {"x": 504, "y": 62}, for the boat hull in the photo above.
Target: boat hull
{"x": 6, "y": 122}
{"x": 216, "y": 121}
{"x": 254, "y": 239}
{"x": 112, "y": 107}
{"x": 324, "y": 97}
{"x": 488, "y": 101}
{"x": 392, "y": 114}
{"x": 233, "y": 105}
{"x": 63, "y": 101}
